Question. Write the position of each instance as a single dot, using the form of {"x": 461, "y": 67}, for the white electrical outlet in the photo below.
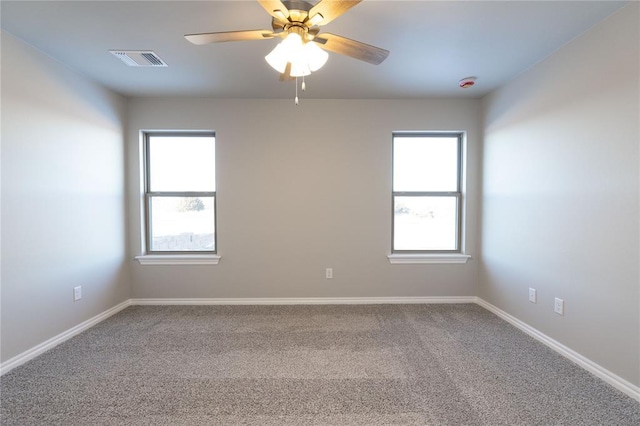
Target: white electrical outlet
{"x": 558, "y": 306}
{"x": 329, "y": 273}
{"x": 533, "y": 295}
{"x": 77, "y": 293}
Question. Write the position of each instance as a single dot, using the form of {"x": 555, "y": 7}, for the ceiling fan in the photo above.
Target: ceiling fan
{"x": 298, "y": 23}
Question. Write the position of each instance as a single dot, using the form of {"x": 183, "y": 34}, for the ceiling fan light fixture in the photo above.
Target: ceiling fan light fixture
{"x": 315, "y": 56}
{"x": 276, "y": 59}
{"x": 286, "y": 51}
{"x": 304, "y": 57}
{"x": 300, "y": 69}
{"x": 292, "y": 45}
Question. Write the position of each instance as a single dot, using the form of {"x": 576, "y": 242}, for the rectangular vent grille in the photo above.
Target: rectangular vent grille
{"x": 139, "y": 58}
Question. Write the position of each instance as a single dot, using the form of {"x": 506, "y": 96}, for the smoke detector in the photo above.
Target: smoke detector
{"x": 139, "y": 58}
{"x": 467, "y": 82}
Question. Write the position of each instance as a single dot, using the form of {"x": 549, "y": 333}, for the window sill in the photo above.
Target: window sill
{"x": 178, "y": 259}
{"x": 428, "y": 258}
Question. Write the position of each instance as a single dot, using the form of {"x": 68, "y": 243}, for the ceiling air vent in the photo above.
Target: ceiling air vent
{"x": 139, "y": 58}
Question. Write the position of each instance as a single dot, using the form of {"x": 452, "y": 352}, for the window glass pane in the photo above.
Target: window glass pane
{"x": 425, "y": 163}
{"x": 182, "y": 224}
{"x": 182, "y": 163}
{"x": 425, "y": 223}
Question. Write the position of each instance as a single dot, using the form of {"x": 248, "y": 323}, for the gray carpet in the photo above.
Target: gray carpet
{"x": 307, "y": 365}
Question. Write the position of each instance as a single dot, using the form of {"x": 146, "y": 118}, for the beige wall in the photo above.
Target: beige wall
{"x": 63, "y": 221}
{"x": 301, "y": 189}
{"x": 560, "y": 195}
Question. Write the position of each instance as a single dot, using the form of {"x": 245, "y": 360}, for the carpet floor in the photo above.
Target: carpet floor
{"x": 307, "y": 365}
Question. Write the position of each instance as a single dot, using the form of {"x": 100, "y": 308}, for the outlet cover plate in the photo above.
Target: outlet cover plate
{"x": 77, "y": 293}
{"x": 558, "y": 306}
{"x": 533, "y": 295}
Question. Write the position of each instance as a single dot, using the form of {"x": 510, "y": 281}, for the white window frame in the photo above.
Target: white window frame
{"x": 456, "y": 255}
{"x": 172, "y": 257}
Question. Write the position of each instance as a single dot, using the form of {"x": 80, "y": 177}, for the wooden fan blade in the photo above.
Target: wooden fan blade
{"x": 220, "y": 37}
{"x": 330, "y": 10}
{"x": 355, "y": 49}
{"x": 276, "y": 9}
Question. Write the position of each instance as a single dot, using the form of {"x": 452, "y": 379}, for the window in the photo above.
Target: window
{"x": 180, "y": 193}
{"x": 427, "y": 197}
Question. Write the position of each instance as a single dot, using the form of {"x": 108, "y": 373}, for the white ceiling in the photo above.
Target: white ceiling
{"x": 433, "y": 44}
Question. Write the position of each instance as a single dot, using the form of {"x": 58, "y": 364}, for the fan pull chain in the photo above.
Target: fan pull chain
{"x": 304, "y": 85}
{"x": 296, "y": 99}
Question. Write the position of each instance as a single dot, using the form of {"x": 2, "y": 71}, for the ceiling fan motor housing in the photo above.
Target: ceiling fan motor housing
{"x": 297, "y": 21}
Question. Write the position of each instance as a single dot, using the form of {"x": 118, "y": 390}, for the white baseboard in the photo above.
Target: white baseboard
{"x": 614, "y": 380}
{"x": 307, "y": 301}
{"x": 29, "y": 354}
